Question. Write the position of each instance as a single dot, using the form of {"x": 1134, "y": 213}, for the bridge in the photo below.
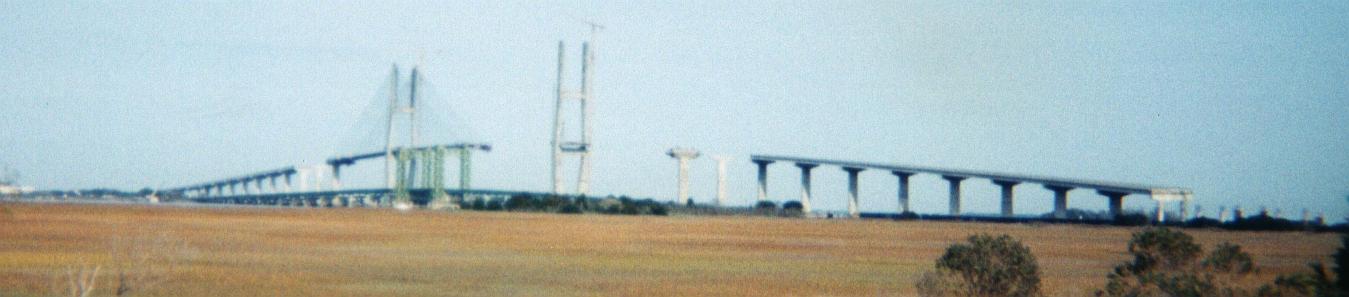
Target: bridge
{"x": 414, "y": 175}
{"x": 308, "y": 186}
{"x": 1113, "y": 191}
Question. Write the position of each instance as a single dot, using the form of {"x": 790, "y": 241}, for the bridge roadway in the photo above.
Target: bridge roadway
{"x": 349, "y": 198}
{"x": 1114, "y": 191}
{"x": 310, "y": 177}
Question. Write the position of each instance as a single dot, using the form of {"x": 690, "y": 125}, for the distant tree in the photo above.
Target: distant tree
{"x": 986, "y": 266}
{"x": 793, "y": 209}
{"x": 765, "y": 207}
{"x": 630, "y": 209}
{"x": 660, "y": 210}
{"x": 908, "y": 215}
{"x": 1203, "y": 222}
{"x": 1264, "y": 222}
{"x": 519, "y": 202}
{"x": 570, "y": 209}
{"x": 1132, "y": 219}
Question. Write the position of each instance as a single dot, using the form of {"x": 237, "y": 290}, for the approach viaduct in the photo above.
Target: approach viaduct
{"x": 1113, "y": 191}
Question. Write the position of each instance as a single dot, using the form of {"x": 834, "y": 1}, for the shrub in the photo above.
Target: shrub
{"x": 1229, "y": 258}
{"x": 660, "y": 210}
{"x": 1318, "y": 282}
{"x": 1162, "y": 248}
{"x": 987, "y": 266}
{"x": 1166, "y": 263}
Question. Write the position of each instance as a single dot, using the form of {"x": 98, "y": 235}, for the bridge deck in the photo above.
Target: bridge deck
{"x": 1049, "y": 181}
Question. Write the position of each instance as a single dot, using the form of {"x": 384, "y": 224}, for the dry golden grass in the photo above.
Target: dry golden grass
{"x": 375, "y": 252}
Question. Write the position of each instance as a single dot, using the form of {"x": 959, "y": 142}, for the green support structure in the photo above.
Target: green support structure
{"x": 435, "y": 173}
{"x": 465, "y": 168}
{"x": 432, "y": 171}
{"x": 401, "y": 185}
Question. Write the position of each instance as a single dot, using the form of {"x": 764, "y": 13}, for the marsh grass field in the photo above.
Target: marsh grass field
{"x": 187, "y": 251}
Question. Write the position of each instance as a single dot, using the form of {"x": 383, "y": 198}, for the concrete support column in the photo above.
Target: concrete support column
{"x": 286, "y": 186}
{"x": 1116, "y": 202}
{"x": 805, "y": 186}
{"x": 1161, "y": 212}
{"x": 684, "y": 181}
{"x": 852, "y": 190}
{"x": 1060, "y": 200}
{"x": 1007, "y": 196}
{"x": 721, "y": 179}
{"x": 683, "y": 155}
{"x": 763, "y": 178}
{"x": 1185, "y": 209}
{"x": 955, "y": 192}
{"x": 337, "y": 177}
{"x": 903, "y": 190}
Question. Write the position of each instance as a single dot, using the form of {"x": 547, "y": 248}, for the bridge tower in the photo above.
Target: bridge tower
{"x": 396, "y": 109}
{"x": 563, "y": 148}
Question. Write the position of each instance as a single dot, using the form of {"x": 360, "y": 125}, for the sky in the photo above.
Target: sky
{"x": 1245, "y": 103}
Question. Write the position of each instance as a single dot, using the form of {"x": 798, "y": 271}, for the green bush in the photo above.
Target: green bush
{"x": 1342, "y": 264}
{"x": 1318, "y": 283}
{"x": 1166, "y": 263}
{"x": 987, "y": 266}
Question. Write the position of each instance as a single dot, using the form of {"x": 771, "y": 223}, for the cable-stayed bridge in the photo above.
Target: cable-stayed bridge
{"x": 414, "y": 174}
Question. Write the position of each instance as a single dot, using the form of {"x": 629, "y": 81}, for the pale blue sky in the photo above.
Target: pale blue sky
{"x": 1246, "y": 103}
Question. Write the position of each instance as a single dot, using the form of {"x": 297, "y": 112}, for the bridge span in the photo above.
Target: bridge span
{"x": 310, "y": 182}
{"x": 1113, "y": 191}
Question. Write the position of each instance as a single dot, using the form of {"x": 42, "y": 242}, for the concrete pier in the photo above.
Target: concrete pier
{"x": 683, "y": 155}
{"x": 955, "y": 192}
{"x": 852, "y": 190}
{"x": 1007, "y": 196}
{"x": 1116, "y": 202}
{"x": 805, "y": 186}
{"x": 903, "y": 189}
{"x": 1060, "y": 200}
{"x": 763, "y": 179}
{"x": 721, "y": 179}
